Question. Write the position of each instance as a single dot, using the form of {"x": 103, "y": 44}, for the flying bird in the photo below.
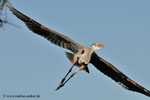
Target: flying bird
{"x": 80, "y": 56}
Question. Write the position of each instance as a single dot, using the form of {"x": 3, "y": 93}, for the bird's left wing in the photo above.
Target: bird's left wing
{"x": 52, "y": 36}
{"x": 109, "y": 70}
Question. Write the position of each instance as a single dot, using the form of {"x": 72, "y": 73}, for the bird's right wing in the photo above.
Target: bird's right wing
{"x": 52, "y": 36}
{"x": 109, "y": 70}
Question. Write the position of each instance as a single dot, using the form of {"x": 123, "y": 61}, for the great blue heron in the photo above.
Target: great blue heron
{"x": 81, "y": 56}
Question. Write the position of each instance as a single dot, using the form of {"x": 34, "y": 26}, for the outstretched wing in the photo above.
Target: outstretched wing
{"x": 109, "y": 70}
{"x": 52, "y": 36}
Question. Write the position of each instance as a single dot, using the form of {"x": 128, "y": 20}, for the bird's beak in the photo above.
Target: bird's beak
{"x": 101, "y": 46}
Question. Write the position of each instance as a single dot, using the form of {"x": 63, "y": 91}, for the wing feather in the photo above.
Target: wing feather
{"x": 52, "y": 36}
{"x": 112, "y": 72}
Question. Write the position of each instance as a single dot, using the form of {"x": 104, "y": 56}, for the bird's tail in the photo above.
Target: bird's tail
{"x": 70, "y": 56}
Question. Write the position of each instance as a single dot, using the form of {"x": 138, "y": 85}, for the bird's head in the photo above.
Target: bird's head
{"x": 96, "y": 46}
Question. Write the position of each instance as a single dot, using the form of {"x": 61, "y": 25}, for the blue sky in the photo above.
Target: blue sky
{"x": 32, "y": 65}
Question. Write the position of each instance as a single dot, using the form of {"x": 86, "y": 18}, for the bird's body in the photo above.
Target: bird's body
{"x": 81, "y": 56}
{"x": 84, "y": 55}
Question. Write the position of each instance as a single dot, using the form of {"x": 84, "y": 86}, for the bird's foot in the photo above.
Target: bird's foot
{"x": 61, "y": 85}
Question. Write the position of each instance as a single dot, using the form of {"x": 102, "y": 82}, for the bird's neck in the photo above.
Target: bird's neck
{"x": 91, "y": 51}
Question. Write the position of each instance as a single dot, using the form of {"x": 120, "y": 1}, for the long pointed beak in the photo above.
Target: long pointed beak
{"x": 101, "y": 46}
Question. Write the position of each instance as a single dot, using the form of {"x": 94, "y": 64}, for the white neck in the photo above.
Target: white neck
{"x": 92, "y": 50}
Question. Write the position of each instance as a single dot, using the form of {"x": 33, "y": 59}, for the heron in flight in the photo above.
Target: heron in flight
{"x": 81, "y": 56}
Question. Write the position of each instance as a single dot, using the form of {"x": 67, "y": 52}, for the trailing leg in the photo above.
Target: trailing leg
{"x": 62, "y": 84}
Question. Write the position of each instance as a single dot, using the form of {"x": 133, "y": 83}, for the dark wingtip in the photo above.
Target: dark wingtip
{"x": 146, "y": 92}
{"x": 112, "y": 72}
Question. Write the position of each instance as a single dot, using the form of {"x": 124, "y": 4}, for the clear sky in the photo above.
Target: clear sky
{"x": 29, "y": 64}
